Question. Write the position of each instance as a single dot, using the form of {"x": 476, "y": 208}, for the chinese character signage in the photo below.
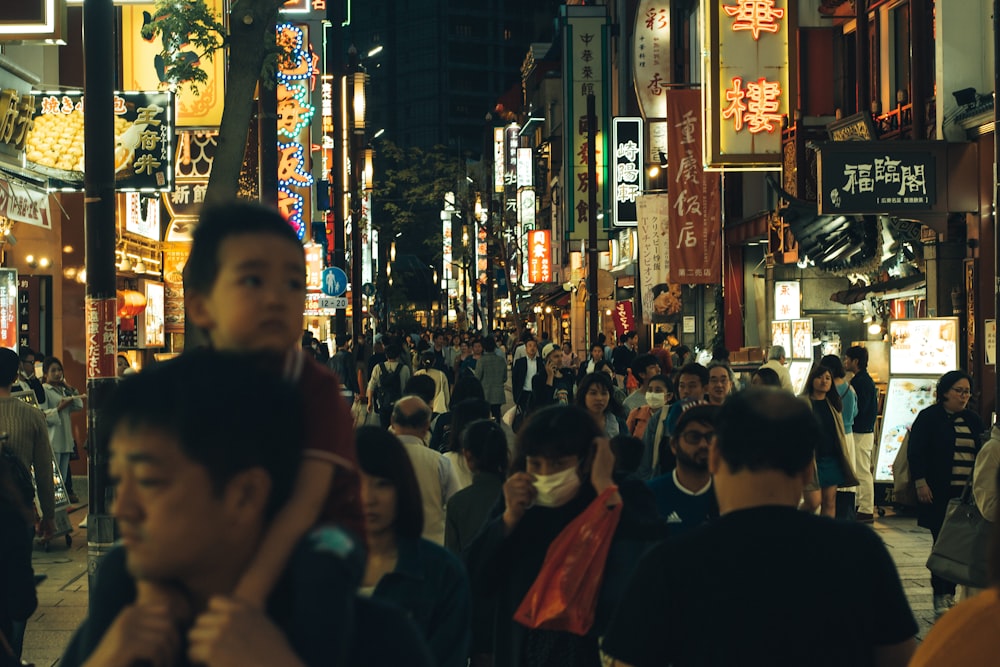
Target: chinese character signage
{"x": 877, "y": 177}
{"x": 142, "y": 215}
{"x": 540, "y": 256}
{"x": 750, "y": 87}
{"x": 498, "y": 159}
{"x": 525, "y": 162}
{"x": 296, "y": 80}
{"x": 144, "y": 128}
{"x": 651, "y": 57}
{"x": 102, "y": 337}
{"x": 627, "y": 162}
{"x": 32, "y": 20}
{"x": 694, "y": 195}
{"x": 152, "y": 326}
{"x": 22, "y": 202}
{"x": 787, "y": 304}
{"x": 8, "y": 308}
{"x": 142, "y": 67}
{"x": 586, "y": 72}
{"x": 17, "y": 114}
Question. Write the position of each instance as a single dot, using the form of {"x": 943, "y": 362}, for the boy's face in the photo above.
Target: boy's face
{"x": 258, "y": 297}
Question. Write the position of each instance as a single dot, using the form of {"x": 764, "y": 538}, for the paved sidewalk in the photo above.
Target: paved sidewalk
{"x": 62, "y": 598}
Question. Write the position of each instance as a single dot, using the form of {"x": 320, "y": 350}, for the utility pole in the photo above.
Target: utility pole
{"x": 594, "y": 326}
{"x": 101, "y": 300}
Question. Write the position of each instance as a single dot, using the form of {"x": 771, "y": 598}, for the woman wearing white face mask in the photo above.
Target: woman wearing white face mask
{"x": 659, "y": 393}
{"x": 562, "y": 464}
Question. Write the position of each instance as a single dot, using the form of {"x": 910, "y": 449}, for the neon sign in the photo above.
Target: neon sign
{"x": 762, "y": 108}
{"x": 757, "y": 16}
{"x": 295, "y": 77}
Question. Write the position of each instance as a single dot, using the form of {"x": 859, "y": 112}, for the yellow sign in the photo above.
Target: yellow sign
{"x": 142, "y": 69}
{"x": 17, "y": 112}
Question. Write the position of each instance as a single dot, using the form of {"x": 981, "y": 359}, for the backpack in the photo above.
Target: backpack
{"x": 390, "y": 386}
{"x": 19, "y": 474}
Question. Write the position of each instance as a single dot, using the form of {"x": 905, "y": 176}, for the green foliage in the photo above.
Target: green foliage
{"x": 411, "y": 187}
{"x": 180, "y": 24}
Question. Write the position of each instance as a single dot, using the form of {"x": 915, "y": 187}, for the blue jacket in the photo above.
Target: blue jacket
{"x": 430, "y": 584}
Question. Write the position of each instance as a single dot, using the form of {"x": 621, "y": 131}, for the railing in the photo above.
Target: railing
{"x": 896, "y": 123}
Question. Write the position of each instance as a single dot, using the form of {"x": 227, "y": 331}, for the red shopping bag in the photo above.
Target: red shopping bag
{"x": 564, "y": 595}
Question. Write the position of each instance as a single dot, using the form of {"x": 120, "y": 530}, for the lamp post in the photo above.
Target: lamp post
{"x": 356, "y": 79}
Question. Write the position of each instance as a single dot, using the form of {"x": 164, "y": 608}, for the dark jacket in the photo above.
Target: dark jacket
{"x": 506, "y": 566}
{"x": 864, "y": 387}
{"x": 17, "y": 580}
{"x": 520, "y": 372}
{"x": 543, "y": 394}
{"x": 430, "y": 585}
{"x": 931, "y": 454}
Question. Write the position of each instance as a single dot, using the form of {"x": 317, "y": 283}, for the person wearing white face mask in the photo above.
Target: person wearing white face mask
{"x": 659, "y": 392}
{"x": 562, "y": 464}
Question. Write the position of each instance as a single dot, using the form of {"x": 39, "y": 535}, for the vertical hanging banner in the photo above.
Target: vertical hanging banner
{"x": 651, "y": 65}
{"x": 694, "y": 195}
{"x": 102, "y": 337}
{"x": 8, "y": 308}
{"x": 540, "y": 256}
{"x": 627, "y": 142}
{"x": 661, "y": 301}
{"x": 585, "y": 72}
{"x": 749, "y": 80}
{"x": 624, "y": 318}
{"x": 296, "y": 81}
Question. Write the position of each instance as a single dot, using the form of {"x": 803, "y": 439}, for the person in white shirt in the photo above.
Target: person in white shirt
{"x": 411, "y": 419}
{"x": 776, "y": 362}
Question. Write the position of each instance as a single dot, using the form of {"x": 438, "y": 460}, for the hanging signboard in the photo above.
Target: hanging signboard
{"x": 22, "y": 202}
{"x": 651, "y": 67}
{"x": 750, "y": 86}
{"x": 787, "y": 301}
{"x": 661, "y": 301}
{"x": 694, "y": 195}
{"x": 585, "y": 62}
{"x": 8, "y": 308}
{"x": 296, "y": 79}
{"x": 627, "y": 161}
{"x": 540, "y": 256}
{"x": 33, "y": 20}
{"x": 143, "y": 68}
{"x": 144, "y": 129}
{"x": 624, "y": 318}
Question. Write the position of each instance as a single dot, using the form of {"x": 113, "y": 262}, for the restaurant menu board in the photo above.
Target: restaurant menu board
{"x": 802, "y": 339}
{"x": 799, "y": 372}
{"x": 151, "y": 322}
{"x": 923, "y": 347}
{"x": 781, "y": 334}
{"x": 904, "y": 399}
{"x": 143, "y": 151}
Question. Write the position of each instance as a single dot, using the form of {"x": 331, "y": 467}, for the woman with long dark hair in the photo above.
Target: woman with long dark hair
{"x": 943, "y": 443}
{"x": 422, "y": 578}
{"x": 833, "y": 463}
{"x": 596, "y": 395}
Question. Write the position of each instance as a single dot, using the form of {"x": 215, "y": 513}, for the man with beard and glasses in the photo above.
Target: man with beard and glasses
{"x": 684, "y": 496}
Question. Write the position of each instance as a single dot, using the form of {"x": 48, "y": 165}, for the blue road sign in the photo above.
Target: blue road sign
{"x": 368, "y": 289}
{"x": 334, "y": 281}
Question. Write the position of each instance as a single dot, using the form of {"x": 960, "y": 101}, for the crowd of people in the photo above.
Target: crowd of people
{"x": 380, "y": 506}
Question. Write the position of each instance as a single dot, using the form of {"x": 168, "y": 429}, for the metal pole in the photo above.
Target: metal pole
{"x": 99, "y": 223}
{"x": 996, "y": 182}
{"x": 592, "y": 212}
{"x": 863, "y": 58}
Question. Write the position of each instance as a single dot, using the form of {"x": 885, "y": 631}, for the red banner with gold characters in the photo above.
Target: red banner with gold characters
{"x": 694, "y": 196}
{"x": 102, "y": 337}
{"x": 540, "y": 256}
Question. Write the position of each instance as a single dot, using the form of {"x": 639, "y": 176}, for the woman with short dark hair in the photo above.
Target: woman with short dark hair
{"x": 422, "y": 578}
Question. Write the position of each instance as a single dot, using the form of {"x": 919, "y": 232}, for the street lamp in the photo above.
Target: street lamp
{"x": 360, "y": 160}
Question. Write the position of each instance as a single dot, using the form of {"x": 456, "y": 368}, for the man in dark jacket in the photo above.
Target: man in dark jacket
{"x": 524, "y": 372}
{"x": 623, "y": 355}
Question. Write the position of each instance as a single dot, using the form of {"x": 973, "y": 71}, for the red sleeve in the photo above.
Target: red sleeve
{"x": 330, "y": 435}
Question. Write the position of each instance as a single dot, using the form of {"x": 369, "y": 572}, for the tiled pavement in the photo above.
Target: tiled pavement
{"x": 62, "y": 597}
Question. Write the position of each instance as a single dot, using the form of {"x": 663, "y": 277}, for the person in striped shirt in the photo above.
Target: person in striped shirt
{"x": 944, "y": 440}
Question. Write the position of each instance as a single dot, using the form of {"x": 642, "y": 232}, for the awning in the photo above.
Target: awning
{"x": 23, "y": 201}
{"x": 888, "y": 289}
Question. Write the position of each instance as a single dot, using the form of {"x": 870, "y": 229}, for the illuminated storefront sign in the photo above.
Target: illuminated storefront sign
{"x": 142, "y": 67}
{"x": 142, "y": 215}
{"x": 651, "y": 67}
{"x": 8, "y": 308}
{"x": 750, "y": 83}
{"x": 540, "y": 256}
{"x": 498, "y": 159}
{"x": 32, "y": 20}
{"x": 585, "y": 59}
{"x": 525, "y": 173}
{"x": 787, "y": 302}
{"x": 17, "y": 112}
{"x": 627, "y": 143}
{"x": 144, "y": 129}
{"x": 296, "y": 78}
{"x": 21, "y": 202}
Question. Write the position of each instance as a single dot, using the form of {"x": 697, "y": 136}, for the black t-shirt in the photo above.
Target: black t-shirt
{"x": 827, "y": 446}
{"x": 763, "y": 586}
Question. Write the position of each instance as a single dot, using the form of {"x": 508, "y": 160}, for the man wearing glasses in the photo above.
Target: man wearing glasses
{"x": 684, "y": 496}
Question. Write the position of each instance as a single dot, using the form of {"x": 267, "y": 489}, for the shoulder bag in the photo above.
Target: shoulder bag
{"x": 960, "y": 552}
